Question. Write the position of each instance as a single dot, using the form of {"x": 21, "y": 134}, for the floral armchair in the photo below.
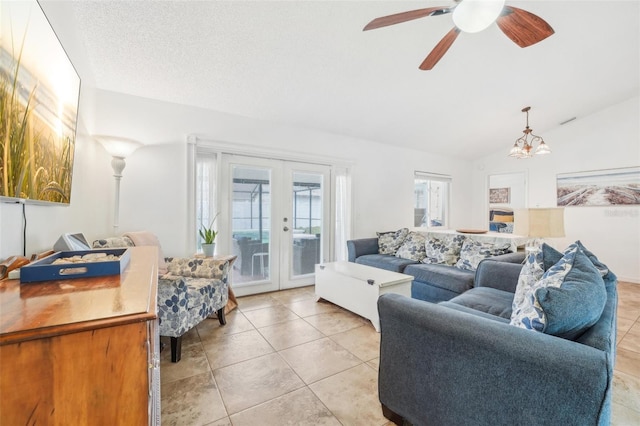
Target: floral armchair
{"x": 191, "y": 290}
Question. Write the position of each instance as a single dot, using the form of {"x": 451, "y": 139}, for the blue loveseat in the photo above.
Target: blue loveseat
{"x": 461, "y": 362}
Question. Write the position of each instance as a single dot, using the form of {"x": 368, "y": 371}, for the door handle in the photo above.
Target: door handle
{"x": 285, "y": 228}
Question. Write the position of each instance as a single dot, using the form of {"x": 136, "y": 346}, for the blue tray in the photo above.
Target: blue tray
{"x": 43, "y": 270}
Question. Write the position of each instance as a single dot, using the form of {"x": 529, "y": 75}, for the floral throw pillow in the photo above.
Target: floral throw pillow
{"x": 472, "y": 252}
{"x": 413, "y": 247}
{"x": 443, "y": 250}
{"x": 197, "y": 268}
{"x": 530, "y": 274}
{"x": 113, "y": 242}
{"x": 390, "y": 242}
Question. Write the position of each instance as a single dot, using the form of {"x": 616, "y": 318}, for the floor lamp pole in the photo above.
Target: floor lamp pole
{"x": 118, "y": 164}
{"x": 119, "y": 148}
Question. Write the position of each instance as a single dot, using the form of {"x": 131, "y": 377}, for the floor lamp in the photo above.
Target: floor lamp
{"x": 538, "y": 224}
{"x": 119, "y": 149}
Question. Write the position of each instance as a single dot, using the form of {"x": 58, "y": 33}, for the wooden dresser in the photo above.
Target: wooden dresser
{"x": 82, "y": 351}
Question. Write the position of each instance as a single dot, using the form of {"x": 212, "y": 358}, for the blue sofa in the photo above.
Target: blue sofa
{"x": 432, "y": 282}
{"x": 460, "y": 362}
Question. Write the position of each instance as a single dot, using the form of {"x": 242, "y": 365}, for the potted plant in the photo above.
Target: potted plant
{"x": 208, "y": 236}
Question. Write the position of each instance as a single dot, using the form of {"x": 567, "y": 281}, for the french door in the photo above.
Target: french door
{"x": 278, "y": 216}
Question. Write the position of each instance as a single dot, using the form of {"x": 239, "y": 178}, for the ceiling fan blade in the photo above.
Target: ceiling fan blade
{"x": 441, "y": 48}
{"x": 397, "y": 18}
{"x": 522, "y": 27}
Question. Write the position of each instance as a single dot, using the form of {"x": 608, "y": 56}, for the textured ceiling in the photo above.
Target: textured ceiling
{"x": 309, "y": 64}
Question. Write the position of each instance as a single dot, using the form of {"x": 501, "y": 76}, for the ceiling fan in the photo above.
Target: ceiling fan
{"x": 522, "y": 27}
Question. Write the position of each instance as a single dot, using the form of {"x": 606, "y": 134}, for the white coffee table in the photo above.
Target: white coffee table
{"x": 357, "y": 287}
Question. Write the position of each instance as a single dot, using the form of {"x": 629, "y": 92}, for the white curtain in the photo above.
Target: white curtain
{"x": 342, "y": 213}
{"x": 206, "y": 207}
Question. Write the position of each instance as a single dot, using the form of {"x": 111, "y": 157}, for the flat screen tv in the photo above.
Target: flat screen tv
{"x": 39, "y": 95}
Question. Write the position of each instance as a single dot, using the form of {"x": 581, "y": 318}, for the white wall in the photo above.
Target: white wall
{"x": 607, "y": 139}
{"x": 153, "y": 188}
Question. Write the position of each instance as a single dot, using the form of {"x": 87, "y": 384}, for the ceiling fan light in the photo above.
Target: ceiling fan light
{"x": 472, "y": 16}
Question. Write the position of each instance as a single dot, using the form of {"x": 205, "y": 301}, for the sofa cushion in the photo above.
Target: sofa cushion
{"x": 462, "y": 308}
{"x": 413, "y": 247}
{"x": 442, "y": 276}
{"x": 486, "y": 299}
{"x": 385, "y": 261}
{"x": 567, "y": 300}
{"x": 443, "y": 250}
{"x": 390, "y": 242}
{"x": 472, "y": 252}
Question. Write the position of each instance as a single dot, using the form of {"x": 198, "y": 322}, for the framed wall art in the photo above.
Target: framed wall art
{"x": 499, "y": 195}
{"x": 39, "y": 95}
{"x": 612, "y": 187}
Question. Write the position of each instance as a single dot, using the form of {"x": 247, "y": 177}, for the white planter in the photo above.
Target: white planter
{"x": 208, "y": 249}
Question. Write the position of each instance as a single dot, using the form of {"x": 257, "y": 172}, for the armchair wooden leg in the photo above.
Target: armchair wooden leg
{"x": 176, "y": 348}
{"x": 221, "y": 316}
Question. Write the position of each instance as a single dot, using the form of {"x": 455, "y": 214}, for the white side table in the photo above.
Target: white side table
{"x": 357, "y": 287}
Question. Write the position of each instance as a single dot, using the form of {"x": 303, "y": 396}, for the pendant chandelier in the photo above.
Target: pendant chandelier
{"x": 523, "y": 146}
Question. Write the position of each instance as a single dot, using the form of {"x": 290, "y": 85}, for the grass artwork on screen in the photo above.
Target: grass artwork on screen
{"x": 39, "y": 93}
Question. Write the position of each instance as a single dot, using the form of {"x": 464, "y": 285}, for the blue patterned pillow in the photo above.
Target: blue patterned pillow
{"x": 473, "y": 252}
{"x": 413, "y": 247}
{"x": 566, "y": 301}
{"x": 443, "y": 250}
{"x": 530, "y": 274}
{"x": 390, "y": 242}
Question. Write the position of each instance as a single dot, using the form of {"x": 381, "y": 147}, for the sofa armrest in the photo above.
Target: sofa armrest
{"x": 498, "y": 275}
{"x": 357, "y": 248}
{"x": 445, "y": 367}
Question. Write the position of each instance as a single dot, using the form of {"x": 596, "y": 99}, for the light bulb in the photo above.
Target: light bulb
{"x": 472, "y": 16}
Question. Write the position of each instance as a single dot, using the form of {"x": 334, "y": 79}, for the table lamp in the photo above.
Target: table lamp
{"x": 539, "y": 223}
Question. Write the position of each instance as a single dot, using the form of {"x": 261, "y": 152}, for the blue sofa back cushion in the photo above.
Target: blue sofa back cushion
{"x": 551, "y": 256}
{"x": 577, "y": 304}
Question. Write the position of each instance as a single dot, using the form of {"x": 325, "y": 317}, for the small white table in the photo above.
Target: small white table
{"x": 357, "y": 287}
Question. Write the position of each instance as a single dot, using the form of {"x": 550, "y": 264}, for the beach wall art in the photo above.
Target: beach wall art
{"x": 612, "y": 187}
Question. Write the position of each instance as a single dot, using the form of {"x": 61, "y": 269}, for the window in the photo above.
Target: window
{"x": 431, "y": 199}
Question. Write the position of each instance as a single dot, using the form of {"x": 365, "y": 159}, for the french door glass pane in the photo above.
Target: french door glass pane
{"x": 306, "y": 223}
{"x": 251, "y": 222}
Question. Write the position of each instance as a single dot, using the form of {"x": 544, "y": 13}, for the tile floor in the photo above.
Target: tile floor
{"x": 284, "y": 358}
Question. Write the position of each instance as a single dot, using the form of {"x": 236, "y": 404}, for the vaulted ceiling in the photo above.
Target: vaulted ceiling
{"x": 309, "y": 64}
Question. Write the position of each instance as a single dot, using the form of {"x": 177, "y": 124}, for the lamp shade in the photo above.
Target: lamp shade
{"x": 539, "y": 223}
{"x": 119, "y": 147}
